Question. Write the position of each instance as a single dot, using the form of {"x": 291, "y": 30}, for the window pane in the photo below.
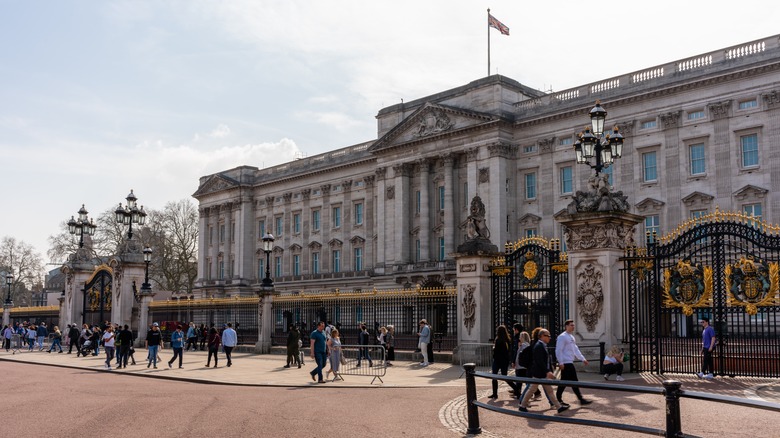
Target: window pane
{"x": 530, "y": 186}
{"x": 566, "y": 180}
{"x": 358, "y": 214}
{"x": 336, "y": 216}
{"x": 648, "y": 161}
{"x": 749, "y": 144}
{"x": 698, "y": 165}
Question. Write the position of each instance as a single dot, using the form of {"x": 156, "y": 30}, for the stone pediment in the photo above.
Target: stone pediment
{"x": 357, "y": 240}
{"x": 216, "y": 183}
{"x": 649, "y": 204}
{"x": 697, "y": 199}
{"x": 335, "y": 243}
{"x": 750, "y": 192}
{"x": 529, "y": 219}
{"x": 429, "y": 121}
{"x": 315, "y": 245}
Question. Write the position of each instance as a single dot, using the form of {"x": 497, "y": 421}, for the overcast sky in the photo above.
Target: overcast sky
{"x": 100, "y": 97}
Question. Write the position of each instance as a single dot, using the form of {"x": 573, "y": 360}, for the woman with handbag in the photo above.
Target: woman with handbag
{"x": 336, "y": 358}
{"x": 213, "y": 342}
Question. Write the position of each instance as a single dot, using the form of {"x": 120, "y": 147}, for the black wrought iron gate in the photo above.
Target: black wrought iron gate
{"x": 97, "y": 296}
{"x": 724, "y": 266}
{"x": 530, "y": 285}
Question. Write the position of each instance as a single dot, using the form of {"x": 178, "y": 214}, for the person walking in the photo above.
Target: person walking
{"x": 153, "y": 343}
{"x": 32, "y": 334}
{"x": 293, "y": 337}
{"x": 192, "y": 337}
{"x": 363, "y": 338}
{"x": 425, "y": 338}
{"x": 56, "y": 340}
{"x": 566, "y": 351}
{"x": 229, "y": 342}
{"x": 318, "y": 351}
{"x": 708, "y": 342}
{"x": 213, "y": 342}
{"x": 177, "y": 345}
{"x": 125, "y": 339}
{"x": 334, "y": 347}
{"x": 86, "y": 335}
{"x": 8, "y": 333}
{"x": 390, "y": 341}
{"x": 108, "y": 344}
{"x": 501, "y": 348}
{"x": 541, "y": 369}
{"x": 204, "y": 334}
{"x": 73, "y": 335}
{"x": 41, "y": 333}
{"x": 523, "y": 360}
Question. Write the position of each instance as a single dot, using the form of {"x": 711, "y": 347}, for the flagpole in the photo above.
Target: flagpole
{"x": 488, "y": 32}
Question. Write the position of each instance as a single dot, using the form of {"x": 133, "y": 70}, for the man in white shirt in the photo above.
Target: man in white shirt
{"x": 566, "y": 351}
{"x": 229, "y": 341}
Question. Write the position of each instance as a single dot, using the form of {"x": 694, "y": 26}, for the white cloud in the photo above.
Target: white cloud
{"x": 220, "y": 131}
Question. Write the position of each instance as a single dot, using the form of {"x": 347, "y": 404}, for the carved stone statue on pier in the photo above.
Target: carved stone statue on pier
{"x": 477, "y": 232}
{"x": 600, "y": 197}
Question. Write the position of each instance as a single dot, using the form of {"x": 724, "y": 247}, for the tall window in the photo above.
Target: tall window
{"x": 209, "y": 271}
{"x": 315, "y": 219}
{"x": 698, "y": 165}
{"x": 567, "y": 183}
{"x": 530, "y": 232}
{"x": 417, "y": 202}
{"x": 417, "y": 250}
{"x": 315, "y": 263}
{"x": 260, "y": 268}
{"x": 221, "y": 275}
{"x": 652, "y": 225}
{"x": 359, "y": 213}
{"x": 752, "y": 210}
{"x": 336, "y": 261}
{"x": 358, "y": 259}
{"x": 441, "y": 248}
{"x": 650, "y": 171}
{"x": 336, "y": 217}
{"x": 749, "y": 147}
{"x": 296, "y": 264}
{"x": 441, "y": 197}
{"x": 260, "y": 229}
{"x": 530, "y": 186}
{"x": 279, "y": 226}
{"x": 278, "y": 268}
{"x": 297, "y": 223}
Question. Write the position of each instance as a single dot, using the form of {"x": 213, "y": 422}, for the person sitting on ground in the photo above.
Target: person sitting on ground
{"x": 613, "y": 363}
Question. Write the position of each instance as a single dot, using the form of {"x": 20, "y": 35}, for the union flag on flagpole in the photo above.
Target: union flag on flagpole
{"x": 494, "y": 23}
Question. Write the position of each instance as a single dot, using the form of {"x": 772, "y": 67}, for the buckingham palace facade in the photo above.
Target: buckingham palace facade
{"x": 700, "y": 133}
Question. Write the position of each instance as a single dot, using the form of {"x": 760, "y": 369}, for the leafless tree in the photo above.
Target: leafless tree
{"x": 173, "y": 235}
{"x": 109, "y": 235}
{"x": 20, "y": 259}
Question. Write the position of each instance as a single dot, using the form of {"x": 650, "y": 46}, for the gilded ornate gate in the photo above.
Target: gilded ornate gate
{"x": 97, "y": 296}
{"x": 723, "y": 266}
{"x": 530, "y": 285}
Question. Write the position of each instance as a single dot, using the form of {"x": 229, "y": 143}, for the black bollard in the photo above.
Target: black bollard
{"x": 602, "y": 353}
{"x": 471, "y": 397}
{"x": 673, "y": 423}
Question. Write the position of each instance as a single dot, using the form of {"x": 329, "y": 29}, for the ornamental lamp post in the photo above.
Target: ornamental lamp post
{"x": 9, "y": 280}
{"x": 130, "y": 214}
{"x": 146, "y": 288}
{"x": 268, "y": 246}
{"x": 594, "y": 145}
{"x": 81, "y": 226}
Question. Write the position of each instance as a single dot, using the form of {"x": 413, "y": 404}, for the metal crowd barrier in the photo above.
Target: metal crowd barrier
{"x": 671, "y": 391}
{"x": 481, "y": 355}
{"x": 376, "y": 367}
{"x": 17, "y": 343}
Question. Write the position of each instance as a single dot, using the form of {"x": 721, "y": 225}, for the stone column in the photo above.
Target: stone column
{"x": 143, "y": 325}
{"x": 327, "y": 226}
{"x": 8, "y": 305}
{"x": 368, "y": 222}
{"x": 724, "y": 151}
{"x": 595, "y": 242}
{"x": 265, "y": 321}
{"x": 305, "y": 227}
{"x": 401, "y": 228}
{"x": 474, "y": 306}
{"x": 449, "y": 206}
{"x": 381, "y": 224}
{"x": 425, "y": 211}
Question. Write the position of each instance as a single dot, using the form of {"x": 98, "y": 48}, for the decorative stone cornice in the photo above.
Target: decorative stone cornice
{"x": 269, "y": 201}
{"x": 381, "y": 173}
{"x": 432, "y": 121}
{"x": 357, "y": 241}
{"x": 306, "y": 194}
{"x": 335, "y": 243}
{"x": 402, "y": 170}
{"x": 502, "y": 150}
{"x": 626, "y": 128}
{"x": 369, "y": 180}
{"x": 472, "y": 153}
{"x": 720, "y": 110}
{"x": 346, "y": 185}
{"x": 546, "y": 145}
{"x": 671, "y": 119}
{"x": 325, "y": 188}
{"x": 697, "y": 199}
{"x": 315, "y": 245}
{"x": 295, "y": 248}
{"x": 422, "y": 165}
{"x": 649, "y": 205}
{"x": 447, "y": 159}
{"x": 287, "y": 197}
{"x": 771, "y": 99}
{"x": 750, "y": 192}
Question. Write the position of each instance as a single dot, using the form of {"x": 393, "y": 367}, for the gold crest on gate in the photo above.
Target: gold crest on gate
{"x": 531, "y": 272}
{"x": 752, "y": 284}
{"x": 687, "y": 286}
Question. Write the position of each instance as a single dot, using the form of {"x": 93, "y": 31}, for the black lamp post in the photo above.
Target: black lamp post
{"x": 594, "y": 145}
{"x": 146, "y": 288}
{"x": 81, "y": 226}
{"x": 9, "y": 280}
{"x": 130, "y": 214}
{"x": 268, "y": 246}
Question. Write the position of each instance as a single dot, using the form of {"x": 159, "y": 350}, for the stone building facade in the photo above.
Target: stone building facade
{"x": 701, "y": 133}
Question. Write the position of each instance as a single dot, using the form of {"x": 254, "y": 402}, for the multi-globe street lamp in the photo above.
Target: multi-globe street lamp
{"x": 594, "y": 145}
{"x": 82, "y": 226}
{"x": 130, "y": 214}
{"x": 9, "y": 280}
{"x": 146, "y": 288}
{"x": 268, "y": 246}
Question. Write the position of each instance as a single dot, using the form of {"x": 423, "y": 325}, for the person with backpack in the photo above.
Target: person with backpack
{"x": 523, "y": 359}
{"x": 542, "y": 369}
{"x": 177, "y": 342}
{"x": 192, "y": 337}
